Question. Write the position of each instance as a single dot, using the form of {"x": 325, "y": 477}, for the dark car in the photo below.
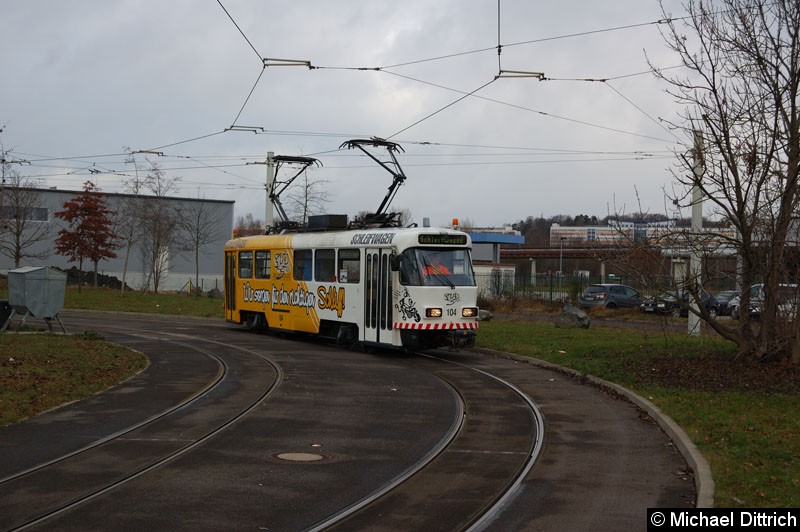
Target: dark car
{"x": 708, "y": 300}
{"x": 724, "y": 299}
{"x": 610, "y": 296}
{"x": 669, "y": 303}
{"x": 664, "y": 303}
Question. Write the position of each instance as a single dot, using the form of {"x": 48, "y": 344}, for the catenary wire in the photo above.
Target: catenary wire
{"x": 645, "y": 113}
{"x": 249, "y": 95}
{"x": 260, "y": 57}
{"x": 442, "y": 109}
{"x": 523, "y": 108}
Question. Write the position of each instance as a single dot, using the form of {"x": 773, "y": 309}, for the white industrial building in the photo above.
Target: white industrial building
{"x": 180, "y": 263}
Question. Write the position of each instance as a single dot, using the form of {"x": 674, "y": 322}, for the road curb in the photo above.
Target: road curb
{"x": 703, "y": 480}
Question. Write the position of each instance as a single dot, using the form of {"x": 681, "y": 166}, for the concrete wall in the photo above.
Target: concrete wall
{"x": 181, "y": 267}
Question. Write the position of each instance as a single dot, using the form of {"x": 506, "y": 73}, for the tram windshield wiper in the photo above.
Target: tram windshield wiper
{"x": 431, "y": 271}
{"x": 446, "y": 279}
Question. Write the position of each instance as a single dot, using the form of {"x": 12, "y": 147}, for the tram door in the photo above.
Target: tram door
{"x": 377, "y": 296}
{"x": 230, "y": 285}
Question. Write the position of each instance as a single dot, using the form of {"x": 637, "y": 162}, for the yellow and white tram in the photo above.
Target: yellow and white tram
{"x": 412, "y": 288}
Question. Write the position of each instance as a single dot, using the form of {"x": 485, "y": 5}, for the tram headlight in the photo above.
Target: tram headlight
{"x": 434, "y": 312}
{"x": 469, "y": 312}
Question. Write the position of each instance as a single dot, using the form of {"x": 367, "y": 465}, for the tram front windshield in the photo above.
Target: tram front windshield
{"x": 436, "y": 267}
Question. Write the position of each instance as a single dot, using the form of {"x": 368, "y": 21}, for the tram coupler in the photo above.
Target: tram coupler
{"x": 460, "y": 338}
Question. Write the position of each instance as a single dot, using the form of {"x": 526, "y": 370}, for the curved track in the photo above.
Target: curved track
{"x": 208, "y": 438}
{"x": 469, "y": 479}
{"x": 44, "y": 490}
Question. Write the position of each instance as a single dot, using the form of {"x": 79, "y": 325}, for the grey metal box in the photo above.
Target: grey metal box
{"x": 37, "y": 290}
{"x": 327, "y": 222}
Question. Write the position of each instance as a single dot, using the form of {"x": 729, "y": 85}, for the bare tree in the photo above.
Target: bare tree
{"x": 24, "y": 217}
{"x": 740, "y": 88}
{"x": 306, "y": 197}
{"x": 201, "y": 225}
{"x": 159, "y": 225}
{"x": 405, "y": 216}
{"x": 247, "y": 225}
{"x": 126, "y": 226}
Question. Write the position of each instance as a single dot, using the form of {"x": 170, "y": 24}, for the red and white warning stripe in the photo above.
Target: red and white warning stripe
{"x": 436, "y": 326}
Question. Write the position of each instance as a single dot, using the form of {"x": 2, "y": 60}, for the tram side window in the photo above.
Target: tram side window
{"x": 302, "y": 265}
{"x": 410, "y": 274}
{"x": 262, "y": 264}
{"x": 349, "y": 266}
{"x": 461, "y": 263}
{"x": 325, "y": 266}
{"x": 245, "y": 264}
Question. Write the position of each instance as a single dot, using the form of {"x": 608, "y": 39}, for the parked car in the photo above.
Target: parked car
{"x": 708, "y": 300}
{"x": 663, "y": 303}
{"x": 733, "y": 306}
{"x": 610, "y": 296}
{"x": 669, "y": 303}
{"x": 724, "y": 299}
{"x": 787, "y": 301}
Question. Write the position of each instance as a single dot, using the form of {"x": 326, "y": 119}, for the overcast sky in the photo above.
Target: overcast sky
{"x": 82, "y": 79}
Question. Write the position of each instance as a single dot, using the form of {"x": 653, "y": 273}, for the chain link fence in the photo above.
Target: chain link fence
{"x": 500, "y": 284}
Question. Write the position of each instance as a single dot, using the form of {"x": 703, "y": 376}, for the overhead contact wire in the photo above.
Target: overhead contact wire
{"x": 442, "y": 109}
{"x": 645, "y": 113}
{"x": 241, "y": 110}
{"x": 260, "y": 57}
{"x": 573, "y": 120}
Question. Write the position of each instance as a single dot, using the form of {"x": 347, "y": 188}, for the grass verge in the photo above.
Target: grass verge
{"x": 39, "y": 372}
{"x": 91, "y": 298}
{"x": 749, "y": 436}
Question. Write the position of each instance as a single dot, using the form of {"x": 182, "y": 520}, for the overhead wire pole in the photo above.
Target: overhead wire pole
{"x": 275, "y": 188}
{"x": 269, "y": 215}
{"x": 4, "y": 161}
{"x": 695, "y": 259}
{"x": 2, "y": 183}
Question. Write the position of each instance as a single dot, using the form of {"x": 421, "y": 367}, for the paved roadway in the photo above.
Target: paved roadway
{"x": 215, "y": 434}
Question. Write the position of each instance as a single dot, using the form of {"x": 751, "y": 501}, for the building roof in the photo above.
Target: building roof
{"x": 496, "y": 238}
{"x": 53, "y": 190}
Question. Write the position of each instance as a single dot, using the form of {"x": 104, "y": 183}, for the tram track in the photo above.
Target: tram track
{"x": 436, "y": 463}
{"x": 46, "y": 490}
{"x": 363, "y": 504}
{"x": 508, "y": 495}
{"x": 470, "y": 457}
{"x": 127, "y": 430}
{"x": 437, "y": 441}
{"x": 472, "y": 478}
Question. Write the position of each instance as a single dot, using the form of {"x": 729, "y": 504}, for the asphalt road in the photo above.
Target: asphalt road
{"x": 230, "y": 430}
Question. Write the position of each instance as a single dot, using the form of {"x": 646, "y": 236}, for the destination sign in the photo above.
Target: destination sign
{"x": 443, "y": 240}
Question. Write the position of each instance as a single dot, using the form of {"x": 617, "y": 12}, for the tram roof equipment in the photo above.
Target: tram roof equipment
{"x": 279, "y": 187}
{"x": 381, "y": 216}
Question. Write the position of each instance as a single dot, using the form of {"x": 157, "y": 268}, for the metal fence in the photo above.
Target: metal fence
{"x": 500, "y": 284}
{"x": 551, "y": 288}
